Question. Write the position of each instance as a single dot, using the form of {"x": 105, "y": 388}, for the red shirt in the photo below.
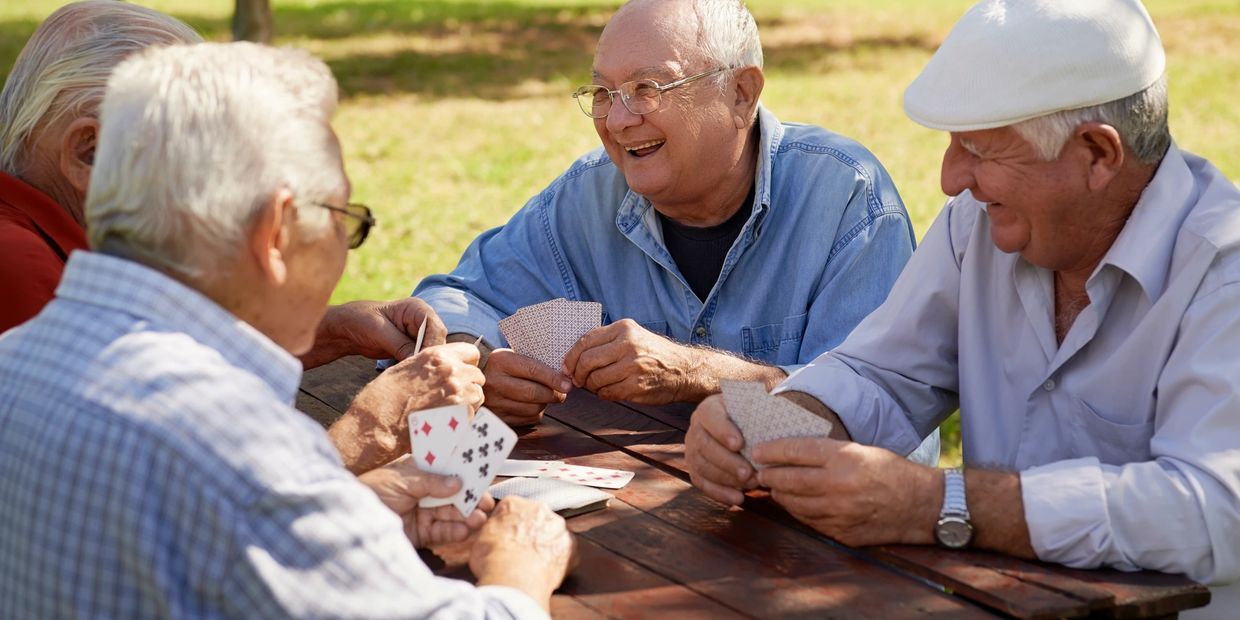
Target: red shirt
{"x": 36, "y": 237}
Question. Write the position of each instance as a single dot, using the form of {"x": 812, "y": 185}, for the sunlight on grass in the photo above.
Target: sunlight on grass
{"x": 455, "y": 112}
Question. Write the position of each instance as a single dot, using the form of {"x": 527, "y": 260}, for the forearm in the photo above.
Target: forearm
{"x": 330, "y": 344}
{"x": 815, "y": 406}
{"x": 363, "y": 446}
{"x": 521, "y": 576}
{"x": 707, "y": 367}
{"x": 997, "y": 512}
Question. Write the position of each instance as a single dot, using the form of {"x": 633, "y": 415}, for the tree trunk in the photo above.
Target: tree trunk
{"x": 252, "y": 21}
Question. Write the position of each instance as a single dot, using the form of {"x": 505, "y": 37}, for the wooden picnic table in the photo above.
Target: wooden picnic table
{"x": 664, "y": 550}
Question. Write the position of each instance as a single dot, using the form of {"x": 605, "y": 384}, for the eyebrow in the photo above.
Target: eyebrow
{"x": 641, "y": 73}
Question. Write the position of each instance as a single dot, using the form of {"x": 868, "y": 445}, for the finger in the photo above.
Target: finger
{"x": 733, "y": 467}
{"x": 589, "y": 340}
{"x": 803, "y": 506}
{"x": 514, "y": 364}
{"x": 426, "y": 484}
{"x": 462, "y": 351}
{"x": 801, "y": 481}
{"x": 723, "y": 494}
{"x": 610, "y": 375}
{"x": 806, "y": 451}
{"x": 524, "y": 391}
{"x": 712, "y": 418}
{"x": 512, "y": 412}
{"x": 598, "y": 357}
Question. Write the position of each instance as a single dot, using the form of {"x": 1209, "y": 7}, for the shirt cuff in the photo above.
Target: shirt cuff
{"x": 462, "y": 312}
{"x": 517, "y": 603}
{"x": 1066, "y": 512}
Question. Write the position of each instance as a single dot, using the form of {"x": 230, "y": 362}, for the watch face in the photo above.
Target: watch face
{"x": 954, "y": 532}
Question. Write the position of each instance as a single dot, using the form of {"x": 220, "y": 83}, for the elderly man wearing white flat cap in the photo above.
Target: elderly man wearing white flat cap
{"x": 1078, "y": 299}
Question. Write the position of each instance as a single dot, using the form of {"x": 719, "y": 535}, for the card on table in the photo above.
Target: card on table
{"x": 566, "y": 498}
{"x": 528, "y": 469}
{"x": 546, "y": 331}
{"x": 472, "y": 449}
{"x": 590, "y": 476}
{"x": 762, "y": 417}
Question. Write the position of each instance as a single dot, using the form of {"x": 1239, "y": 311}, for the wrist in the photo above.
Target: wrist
{"x": 516, "y": 573}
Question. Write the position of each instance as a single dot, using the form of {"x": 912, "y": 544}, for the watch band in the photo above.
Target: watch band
{"x": 953, "y": 494}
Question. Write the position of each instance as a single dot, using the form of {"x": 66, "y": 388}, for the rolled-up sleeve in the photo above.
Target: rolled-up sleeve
{"x": 1180, "y": 511}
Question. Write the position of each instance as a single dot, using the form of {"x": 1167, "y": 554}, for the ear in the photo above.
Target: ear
{"x": 749, "y": 83}
{"x": 77, "y": 152}
{"x": 1104, "y": 151}
{"x": 269, "y": 237}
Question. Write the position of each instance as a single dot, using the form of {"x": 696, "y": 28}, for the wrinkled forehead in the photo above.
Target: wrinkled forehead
{"x": 654, "y": 41}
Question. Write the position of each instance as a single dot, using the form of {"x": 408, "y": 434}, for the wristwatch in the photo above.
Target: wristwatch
{"x": 954, "y": 530}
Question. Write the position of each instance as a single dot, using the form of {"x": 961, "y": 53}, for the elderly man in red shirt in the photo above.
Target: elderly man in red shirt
{"x": 48, "y": 127}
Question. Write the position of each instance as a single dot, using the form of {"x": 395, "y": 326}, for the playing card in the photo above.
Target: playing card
{"x": 590, "y": 476}
{"x": 546, "y": 331}
{"x": 434, "y": 434}
{"x": 417, "y": 346}
{"x": 479, "y": 453}
{"x": 564, "y": 497}
{"x": 529, "y": 469}
{"x": 762, "y": 417}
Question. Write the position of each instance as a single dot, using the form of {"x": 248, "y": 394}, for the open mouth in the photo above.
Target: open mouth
{"x": 645, "y": 149}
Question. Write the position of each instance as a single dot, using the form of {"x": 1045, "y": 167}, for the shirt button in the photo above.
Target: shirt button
{"x": 700, "y": 331}
{"x": 1049, "y": 385}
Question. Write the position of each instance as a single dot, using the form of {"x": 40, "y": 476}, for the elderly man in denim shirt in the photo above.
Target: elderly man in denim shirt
{"x": 722, "y": 243}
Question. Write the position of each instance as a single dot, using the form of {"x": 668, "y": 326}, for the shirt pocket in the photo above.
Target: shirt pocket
{"x": 776, "y": 343}
{"x": 1114, "y": 443}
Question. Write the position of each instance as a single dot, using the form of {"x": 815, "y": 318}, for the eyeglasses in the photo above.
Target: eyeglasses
{"x": 357, "y": 225}
{"x": 639, "y": 96}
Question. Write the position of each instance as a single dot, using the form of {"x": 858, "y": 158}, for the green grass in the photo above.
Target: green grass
{"x": 455, "y": 112}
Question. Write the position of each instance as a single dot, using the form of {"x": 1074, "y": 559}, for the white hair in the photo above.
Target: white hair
{"x": 728, "y": 34}
{"x": 63, "y": 68}
{"x": 195, "y": 140}
{"x": 1140, "y": 119}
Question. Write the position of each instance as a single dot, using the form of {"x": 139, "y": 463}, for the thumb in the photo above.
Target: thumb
{"x": 435, "y": 485}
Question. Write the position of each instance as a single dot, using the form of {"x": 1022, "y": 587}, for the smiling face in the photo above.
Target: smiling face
{"x": 679, "y": 155}
{"x": 1040, "y": 209}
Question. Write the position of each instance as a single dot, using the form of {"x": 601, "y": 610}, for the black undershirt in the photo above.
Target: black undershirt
{"x": 699, "y": 252}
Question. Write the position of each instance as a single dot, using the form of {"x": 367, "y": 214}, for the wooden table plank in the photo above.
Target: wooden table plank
{"x": 738, "y": 558}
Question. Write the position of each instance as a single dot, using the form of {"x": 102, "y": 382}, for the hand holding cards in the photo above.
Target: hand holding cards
{"x": 546, "y": 331}
{"x": 762, "y": 417}
{"x": 447, "y": 441}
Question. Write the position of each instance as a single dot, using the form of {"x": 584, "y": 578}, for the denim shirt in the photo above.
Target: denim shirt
{"x": 825, "y": 241}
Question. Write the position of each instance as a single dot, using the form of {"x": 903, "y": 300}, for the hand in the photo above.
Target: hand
{"x": 858, "y": 495}
{"x": 624, "y": 361}
{"x": 519, "y": 388}
{"x": 374, "y": 329}
{"x": 712, "y": 451}
{"x": 375, "y": 430}
{"x": 400, "y": 484}
{"x": 524, "y": 545}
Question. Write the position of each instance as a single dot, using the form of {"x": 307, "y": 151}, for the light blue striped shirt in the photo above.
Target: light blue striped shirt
{"x": 151, "y": 465}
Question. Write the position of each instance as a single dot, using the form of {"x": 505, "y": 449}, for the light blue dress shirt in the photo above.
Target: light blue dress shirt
{"x": 1127, "y": 435}
{"x": 151, "y": 465}
{"x": 827, "y": 237}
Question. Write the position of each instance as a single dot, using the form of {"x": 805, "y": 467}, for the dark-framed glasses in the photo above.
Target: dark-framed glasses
{"x": 358, "y": 223}
{"x": 639, "y": 96}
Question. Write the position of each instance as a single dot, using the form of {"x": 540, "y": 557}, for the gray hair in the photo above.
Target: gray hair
{"x": 1140, "y": 119}
{"x": 195, "y": 140}
{"x": 62, "y": 70}
{"x": 729, "y": 34}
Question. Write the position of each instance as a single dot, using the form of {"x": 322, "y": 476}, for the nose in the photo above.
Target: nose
{"x": 957, "y": 172}
{"x": 620, "y": 118}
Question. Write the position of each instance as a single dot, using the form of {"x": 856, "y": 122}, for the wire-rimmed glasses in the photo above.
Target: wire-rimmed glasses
{"x": 639, "y": 96}
{"x": 358, "y": 223}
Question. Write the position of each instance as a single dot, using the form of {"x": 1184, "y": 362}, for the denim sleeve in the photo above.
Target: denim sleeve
{"x": 504, "y": 269}
{"x": 861, "y": 271}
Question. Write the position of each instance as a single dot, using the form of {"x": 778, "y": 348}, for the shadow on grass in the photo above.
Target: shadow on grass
{"x": 470, "y": 48}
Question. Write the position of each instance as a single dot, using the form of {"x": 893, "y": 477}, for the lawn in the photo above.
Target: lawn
{"x": 455, "y": 112}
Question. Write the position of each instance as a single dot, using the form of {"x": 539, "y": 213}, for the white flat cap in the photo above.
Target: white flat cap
{"x": 1008, "y": 61}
